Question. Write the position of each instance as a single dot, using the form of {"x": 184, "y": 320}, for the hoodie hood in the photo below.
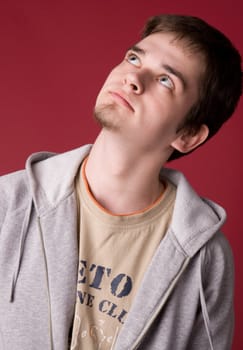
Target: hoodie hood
{"x": 195, "y": 219}
{"x": 51, "y": 176}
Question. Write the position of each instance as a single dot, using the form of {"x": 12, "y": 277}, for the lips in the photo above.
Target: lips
{"x": 120, "y": 99}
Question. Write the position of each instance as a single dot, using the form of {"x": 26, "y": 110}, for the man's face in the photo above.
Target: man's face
{"x": 147, "y": 96}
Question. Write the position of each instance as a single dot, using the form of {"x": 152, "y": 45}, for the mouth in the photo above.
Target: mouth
{"x": 121, "y": 100}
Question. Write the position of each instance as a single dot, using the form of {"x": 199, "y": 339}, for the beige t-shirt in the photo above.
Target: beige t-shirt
{"x": 114, "y": 252}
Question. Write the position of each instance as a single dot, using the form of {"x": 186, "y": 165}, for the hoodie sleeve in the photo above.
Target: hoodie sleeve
{"x": 218, "y": 288}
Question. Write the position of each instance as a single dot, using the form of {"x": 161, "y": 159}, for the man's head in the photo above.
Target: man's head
{"x": 174, "y": 88}
{"x": 221, "y": 84}
{"x": 146, "y": 97}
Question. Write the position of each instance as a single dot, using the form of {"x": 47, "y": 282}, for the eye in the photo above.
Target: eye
{"x": 166, "y": 81}
{"x": 133, "y": 59}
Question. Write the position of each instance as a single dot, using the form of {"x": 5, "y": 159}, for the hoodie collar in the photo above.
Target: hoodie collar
{"x": 194, "y": 220}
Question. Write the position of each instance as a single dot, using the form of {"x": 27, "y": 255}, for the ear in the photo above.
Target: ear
{"x": 186, "y": 142}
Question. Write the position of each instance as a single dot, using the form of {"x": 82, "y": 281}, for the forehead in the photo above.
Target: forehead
{"x": 166, "y": 42}
{"x": 163, "y": 48}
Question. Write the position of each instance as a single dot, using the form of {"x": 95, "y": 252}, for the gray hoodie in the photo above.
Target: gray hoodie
{"x": 185, "y": 299}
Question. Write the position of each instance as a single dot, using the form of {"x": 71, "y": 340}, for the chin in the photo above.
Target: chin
{"x": 104, "y": 115}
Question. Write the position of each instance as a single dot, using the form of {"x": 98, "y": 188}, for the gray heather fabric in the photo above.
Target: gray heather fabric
{"x": 185, "y": 299}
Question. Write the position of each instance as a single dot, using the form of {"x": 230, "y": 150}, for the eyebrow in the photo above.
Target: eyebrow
{"x": 137, "y": 49}
{"x": 167, "y": 67}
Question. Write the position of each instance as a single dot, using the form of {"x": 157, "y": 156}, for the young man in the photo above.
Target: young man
{"x": 105, "y": 248}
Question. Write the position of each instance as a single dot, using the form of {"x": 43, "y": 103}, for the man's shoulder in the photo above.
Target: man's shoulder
{"x": 9, "y": 181}
{"x": 13, "y": 193}
{"x": 219, "y": 248}
{"x": 13, "y": 186}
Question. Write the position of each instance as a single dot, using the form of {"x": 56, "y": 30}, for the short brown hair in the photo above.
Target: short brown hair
{"x": 221, "y": 85}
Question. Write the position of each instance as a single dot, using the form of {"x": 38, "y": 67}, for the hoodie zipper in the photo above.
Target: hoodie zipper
{"x": 139, "y": 340}
{"x": 47, "y": 284}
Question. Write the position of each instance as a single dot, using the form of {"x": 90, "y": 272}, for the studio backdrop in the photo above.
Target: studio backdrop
{"x": 55, "y": 56}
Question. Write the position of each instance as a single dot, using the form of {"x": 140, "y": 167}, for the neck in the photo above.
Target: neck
{"x": 115, "y": 170}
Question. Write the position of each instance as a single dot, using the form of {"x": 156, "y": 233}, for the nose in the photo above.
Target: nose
{"x": 134, "y": 83}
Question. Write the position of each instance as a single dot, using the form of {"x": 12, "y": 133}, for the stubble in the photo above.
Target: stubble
{"x": 105, "y": 115}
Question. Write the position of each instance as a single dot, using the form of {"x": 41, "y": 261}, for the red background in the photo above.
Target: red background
{"x": 54, "y": 58}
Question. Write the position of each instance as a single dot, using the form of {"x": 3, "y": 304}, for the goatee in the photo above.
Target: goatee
{"x": 104, "y": 115}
